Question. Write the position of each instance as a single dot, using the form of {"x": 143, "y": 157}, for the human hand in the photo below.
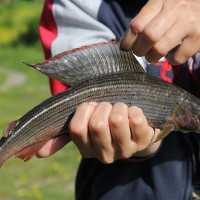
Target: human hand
{"x": 108, "y": 132}
{"x": 165, "y": 28}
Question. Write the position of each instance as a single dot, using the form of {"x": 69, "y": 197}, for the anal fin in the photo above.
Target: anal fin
{"x": 27, "y": 153}
{"x": 166, "y": 131}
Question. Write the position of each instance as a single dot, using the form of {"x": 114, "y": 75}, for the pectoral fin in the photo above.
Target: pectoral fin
{"x": 27, "y": 153}
{"x": 166, "y": 131}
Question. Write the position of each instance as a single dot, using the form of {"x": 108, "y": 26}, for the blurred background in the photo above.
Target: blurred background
{"x": 22, "y": 88}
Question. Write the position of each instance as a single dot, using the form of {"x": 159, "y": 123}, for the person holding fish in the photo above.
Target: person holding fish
{"x": 120, "y": 156}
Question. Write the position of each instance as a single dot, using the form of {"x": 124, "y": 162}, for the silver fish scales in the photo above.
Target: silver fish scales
{"x": 100, "y": 72}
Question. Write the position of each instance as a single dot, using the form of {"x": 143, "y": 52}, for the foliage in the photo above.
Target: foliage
{"x": 20, "y": 23}
{"x": 47, "y": 179}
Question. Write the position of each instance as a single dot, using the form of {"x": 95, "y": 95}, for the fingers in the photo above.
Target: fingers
{"x": 166, "y": 43}
{"x": 78, "y": 128}
{"x": 184, "y": 51}
{"x": 140, "y": 129}
{"x": 106, "y": 132}
{"x": 53, "y": 146}
{"x": 170, "y": 24}
{"x": 138, "y": 24}
{"x": 153, "y": 33}
{"x": 96, "y": 129}
{"x": 99, "y": 131}
{"x": 120, "y": 132}
{"x": 109, "y": 132}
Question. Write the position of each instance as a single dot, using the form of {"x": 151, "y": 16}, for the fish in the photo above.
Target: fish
{"x": 101, "y": 72}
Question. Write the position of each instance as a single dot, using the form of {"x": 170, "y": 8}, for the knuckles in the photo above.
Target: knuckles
{"x": 119, "y": 116}
{"x": 97, "y": 125}
{"x": 76, "y": 130}
{"x": 75, "y": 127}
{"x": 116, "y": 120}
{"x": 136, "y": 27}
{"x": 136, "y": 117}
{"x": 159, "y": 50}
{"x": 185, "y": 7}
{"x": 150, "y": 36}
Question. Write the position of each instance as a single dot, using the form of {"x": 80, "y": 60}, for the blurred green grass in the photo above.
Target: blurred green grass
{"x": 47, "y": 179}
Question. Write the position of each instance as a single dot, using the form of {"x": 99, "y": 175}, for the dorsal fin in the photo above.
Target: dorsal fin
{"x": 87, "y": 62}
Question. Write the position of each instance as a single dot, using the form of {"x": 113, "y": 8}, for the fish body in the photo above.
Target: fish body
{"x": 97, "y": 74}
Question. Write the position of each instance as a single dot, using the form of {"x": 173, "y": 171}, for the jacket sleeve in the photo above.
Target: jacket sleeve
{"x": 77, "y": 25}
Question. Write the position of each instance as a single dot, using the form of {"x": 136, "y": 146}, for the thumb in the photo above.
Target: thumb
{"x": 53, "y": 145}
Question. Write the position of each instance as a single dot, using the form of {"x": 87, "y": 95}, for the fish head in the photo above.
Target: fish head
{"x": 187, "y": 115}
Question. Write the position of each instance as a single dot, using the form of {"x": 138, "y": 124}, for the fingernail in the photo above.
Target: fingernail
{"x": 93, "y": 103}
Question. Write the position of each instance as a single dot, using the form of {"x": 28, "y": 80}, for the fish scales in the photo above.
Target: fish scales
{"x": 83, "y": 95}
{"x": 129, "y": 87}
{"x": 100, "y": 72}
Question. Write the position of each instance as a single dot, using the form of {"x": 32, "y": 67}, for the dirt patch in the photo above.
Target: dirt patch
{"x": 14, "y": 79}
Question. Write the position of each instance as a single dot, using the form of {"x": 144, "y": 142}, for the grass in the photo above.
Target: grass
{"x": 3, "y": 77}
{"x": 47, "y": 179}
{"x": 50, "y": 178}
